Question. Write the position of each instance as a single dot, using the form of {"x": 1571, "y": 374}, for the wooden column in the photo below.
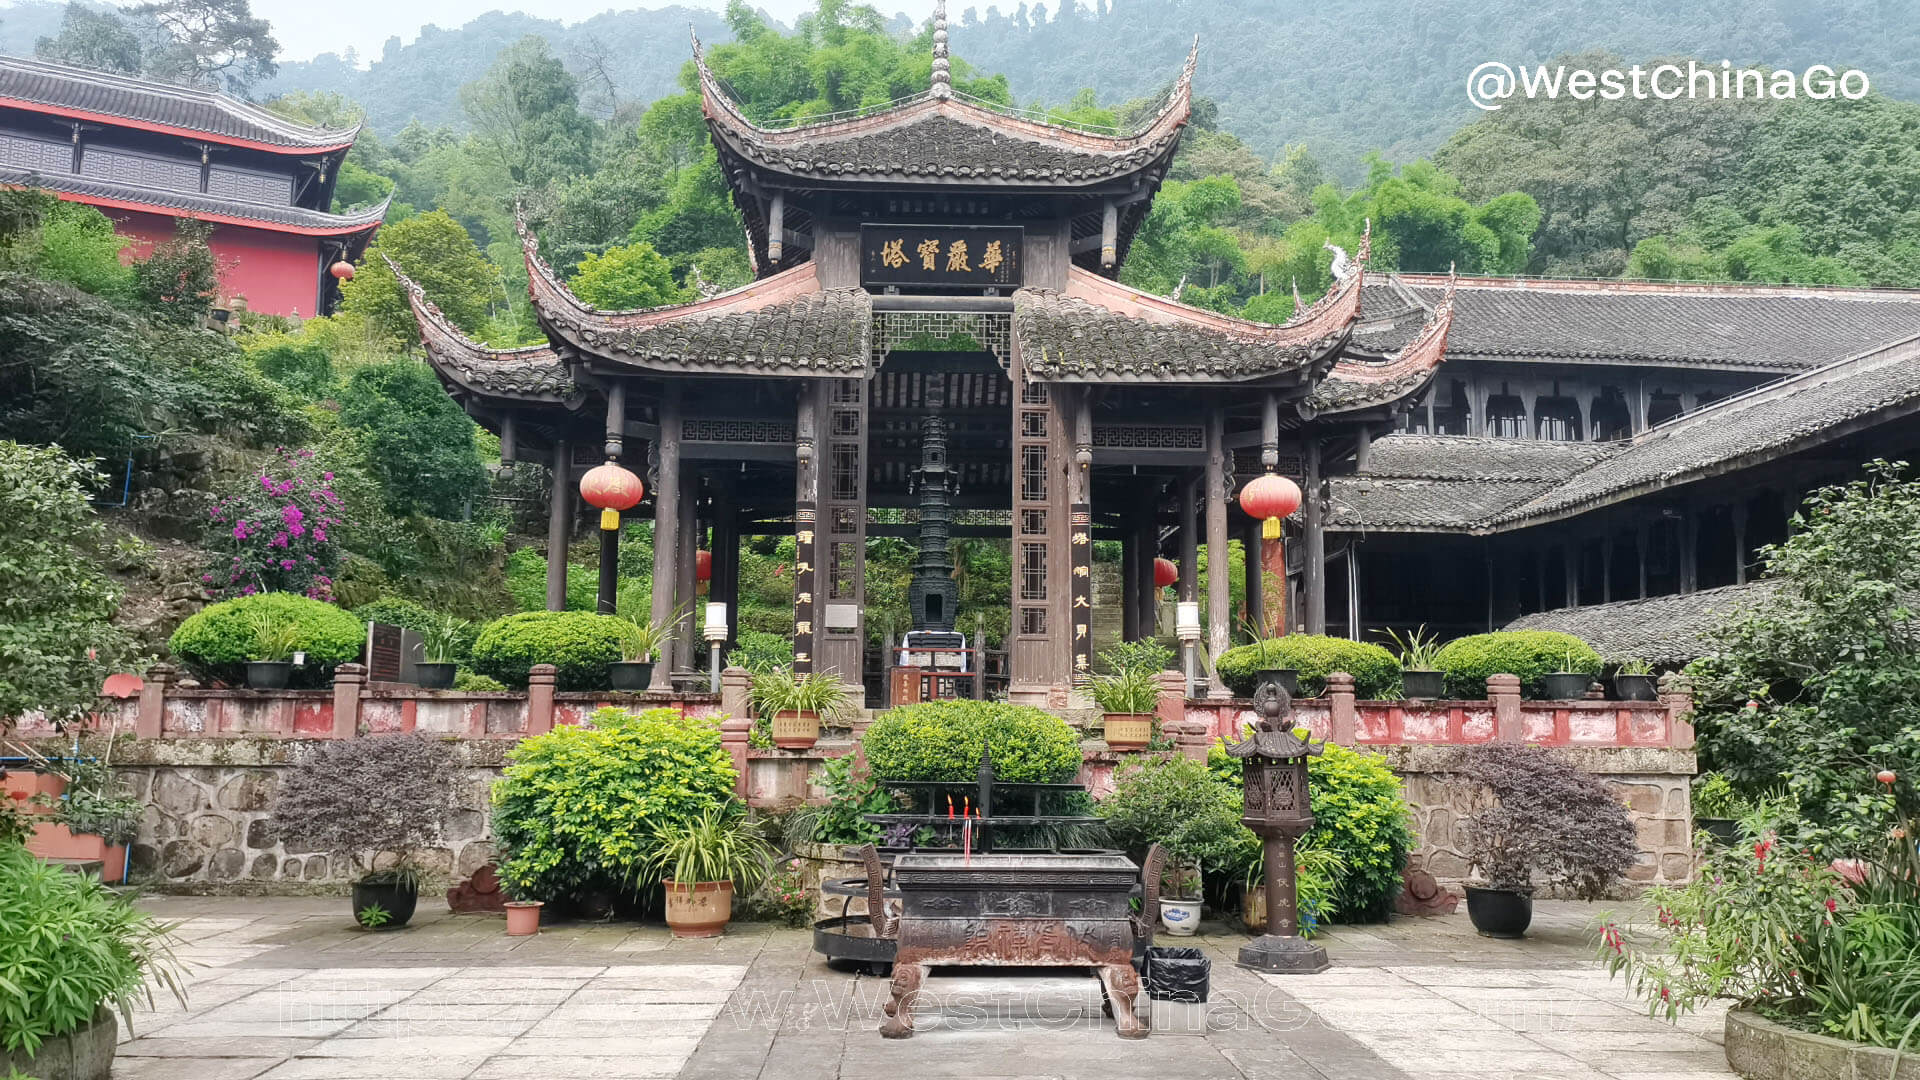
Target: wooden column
{"x": 724, "y": 584}
{"x": 609, "y": 589}
{"x": 1570, "y": 557}
{"x": 684, "y": 647}
{"x": 1253, "y": 551}
{"x": 1740, "y": 543}
{"x": 1219, "y": 628}
{"x": 559, "y": 525}
{"x": 1689, "y": 553}
{"x": 1315, "y": 553}
{"x": 806, "y": 502}
{"x": 1189, "y": 587}
{"x": 776, "y": 229}
{"x": 1146, "y": 546}
{"x": 1129, "y": 576}
{"x": 666, "y": 522}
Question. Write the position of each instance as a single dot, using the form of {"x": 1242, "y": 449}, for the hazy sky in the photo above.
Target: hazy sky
{"x": 306, "y": 28}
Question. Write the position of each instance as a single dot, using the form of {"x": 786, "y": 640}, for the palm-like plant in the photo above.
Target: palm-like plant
{"x": 1133, "y": 691}
{"x": 818, "y": 692}
{"x": 718, "y": 844}
{"x": 274, "y": 635}
{"x": 1417, "y": 649}
{"x": 646, "y": 637}
{"x": 441, "y": 637}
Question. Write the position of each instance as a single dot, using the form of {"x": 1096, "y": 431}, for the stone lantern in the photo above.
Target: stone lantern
{"x": 1273, "y": 762}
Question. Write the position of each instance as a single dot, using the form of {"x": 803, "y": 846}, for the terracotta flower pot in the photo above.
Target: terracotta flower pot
{"x": 1128, "y": 731}
{"x": 51, "y": 841}
{"x": 21, "y": 785}
{"x": 699, "y": 908}
{"x": 523, "y": 917}
{"x": 795, "y": 730}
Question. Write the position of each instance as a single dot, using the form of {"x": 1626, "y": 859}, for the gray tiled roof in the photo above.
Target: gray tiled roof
{"x": 189, "y": 108}
{"x": 818, "y": 333}
{"x": 1664, "y": 630}
{"x": 179, "y": 202}
{"x": 1451, "y": 483}
{"x": 1063, "y": 337}
{"x": 1752, "y": 327}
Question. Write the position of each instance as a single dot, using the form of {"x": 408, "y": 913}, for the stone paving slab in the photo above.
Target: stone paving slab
{"x": 289, "y": 989}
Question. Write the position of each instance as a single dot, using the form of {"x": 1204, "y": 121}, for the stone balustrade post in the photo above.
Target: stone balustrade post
{"x": 862, "y": 720}
{"x": 348, "y": 681}
{"x": 1676, "y": 693}
{"x": 1504, "y": 692}
{"x": 1340, "y": 711}
{"x": 735, "y": 684}
{"x": 1171, "y": 705}
{"x": 153, "y": 702}
{"x": 735, "y": 732}
{"x": 540, "y": 679}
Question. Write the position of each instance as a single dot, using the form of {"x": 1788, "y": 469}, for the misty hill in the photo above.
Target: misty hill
{"x": 1344, "y": 76}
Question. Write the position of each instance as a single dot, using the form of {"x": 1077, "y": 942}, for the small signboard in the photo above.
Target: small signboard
{"x": 941, "y": 256}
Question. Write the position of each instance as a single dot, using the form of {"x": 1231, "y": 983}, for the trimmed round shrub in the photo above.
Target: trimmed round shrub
{"x": 579, "y": 644}
{"x": 1530, "y": 654}
{"x": 942, "y": 740}
{"x": 577, "y": 809}
{"x": 1360, "y": 813}
{"x": 1376, "y": 674}
{"x": 217, "y": 642}
{"x": 476, "y": 684}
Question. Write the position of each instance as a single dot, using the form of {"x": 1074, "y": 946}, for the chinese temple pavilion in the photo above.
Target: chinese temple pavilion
{"x": 936, "y": 326}
{"x": 148, "y": 154}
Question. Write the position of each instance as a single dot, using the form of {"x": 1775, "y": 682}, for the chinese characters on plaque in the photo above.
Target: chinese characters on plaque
{"x": 984, "y": 256}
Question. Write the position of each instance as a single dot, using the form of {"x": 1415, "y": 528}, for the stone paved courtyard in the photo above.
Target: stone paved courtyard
{"x": 286, "y": 988}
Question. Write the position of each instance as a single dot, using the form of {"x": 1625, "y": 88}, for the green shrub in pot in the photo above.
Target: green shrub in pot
{"x": 579, "y": 644}
{"x": 942, "y": 740}
{"x": 1376, "y": 674}
{"x": 216, "y": 643}
{"x": 1529, "y": 654}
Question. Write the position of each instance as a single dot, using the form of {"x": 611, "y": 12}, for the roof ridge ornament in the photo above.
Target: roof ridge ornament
{"x": 1342, "y": 266}
{"x": 942, "y": 67}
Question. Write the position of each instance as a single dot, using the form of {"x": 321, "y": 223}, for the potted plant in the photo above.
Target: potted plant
{"x": 644, "y": 640}
{"x": 270, "y": 660}
{"x": 1268, "y": 661}
{"x": 1128, "y": 698}
{"x": 700, "y": 860}
{"x": 523, "y": 917}
{"x": 377, "y": 800}
{"x": 1715, "y": 808}
{"x": 440, "y": 639}
{"x": 794, "y": 705}
{"x": 1179, "y": 804}
{"x": 1180, "y": 898}
{"x": 1317, "y": 873}
{"x": 1633, "y": 680}
{"x": 1567, "y": 684}
{"x": 1536, "y": 814}
{"x": 1420, "y": 677}
{"x": 77, "y": 955}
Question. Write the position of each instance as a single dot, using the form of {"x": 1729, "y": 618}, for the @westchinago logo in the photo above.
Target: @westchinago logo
{"x": 1491, "y": 84}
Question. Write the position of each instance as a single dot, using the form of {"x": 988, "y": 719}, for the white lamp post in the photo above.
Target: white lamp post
{"x": 1186, "y": 627}
{"x": 716, "y": 632}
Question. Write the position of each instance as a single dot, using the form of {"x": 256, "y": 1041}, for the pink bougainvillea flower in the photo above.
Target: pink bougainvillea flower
{"x": 1853, "y": 871}
{"x": 242, "y": 529}
{"x": 279, "y": 540}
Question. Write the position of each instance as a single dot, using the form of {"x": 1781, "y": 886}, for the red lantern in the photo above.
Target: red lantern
{"x": 703, "y": 566}
{"x": 1165, "y": 573}
{"x": 342, "y": 270}
{"x": 1270, "y": 498}
{"x": 612, "y": 489}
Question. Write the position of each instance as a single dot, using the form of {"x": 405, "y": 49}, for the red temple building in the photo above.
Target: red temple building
{"x": 149, "y": 154}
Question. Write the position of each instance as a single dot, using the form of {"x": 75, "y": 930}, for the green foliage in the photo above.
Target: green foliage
{"x": 760, "y": 652}
{"x": 1376, "y": 674}
{"x": 526, "y": 115}
{"x": 819, "y": 692}
{"x": 446, "y": 639}
{"x": 1177, "y": 803}
{"x": 72, "y": 946}
{"x": 97, "y": 803}
{"x": 628, "y": 276}
{"x": 78, "y": 246}
{"x": 477, "y": 684}
{"x": 1360, "y": 815}
{"x": 1536, "y": 813}
{"x": 577, "y": 808}
{"x": 440, "y": 257}
{"x": 57, "y": 638}
{"x": 943, "y": 740}
{"x": 178, "y": 282}
{"x": 1714, "y": 797}
{"x": 719, "y": 843}
{"x": 1832, "y": 948}
{"x": 301, "y": 366}
{"x": 373, "y": 916}
{"x": 785, "y": 896}
{"x": 527, "y": 582}
{"x": 1530, "y": 654}
{"x": 1816, "y": 686}
{"x": 396, "y": 611}
{"x": 1132, "y": 690}
{"x": 849, "y": 799}
{"x": 418, "y": 443}
{"x": 1418, "y": 649}
{"x": 217, "y": 641}
{"x": 579, "y": 644}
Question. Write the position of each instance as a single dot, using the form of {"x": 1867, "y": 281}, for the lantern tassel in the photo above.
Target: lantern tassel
{"x": 1270, "y": 529}
{"x": 610, "y": 519}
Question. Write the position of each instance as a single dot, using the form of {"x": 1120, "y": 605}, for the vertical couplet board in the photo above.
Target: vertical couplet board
{"x": 805, "y": 528}
{"x": 840, "y": 626}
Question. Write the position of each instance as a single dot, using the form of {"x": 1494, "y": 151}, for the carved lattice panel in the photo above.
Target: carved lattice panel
{"x": 994, "y": 332}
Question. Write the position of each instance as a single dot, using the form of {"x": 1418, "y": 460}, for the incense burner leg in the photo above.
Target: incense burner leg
{"x": 899, "y": 1008}
{"x": 1122, "y": 984}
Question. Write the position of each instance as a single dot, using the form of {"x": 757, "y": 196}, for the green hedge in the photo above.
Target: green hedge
{"x": 579, "y": 644}
{"x": 217, "y": 642}
{"x": 576, "y": 810}
{"x": 1530, "y": 654}
{"x": 1376, "y": 674}
{"x": 1360, "y": 813}
{"x": 941, "y": 740}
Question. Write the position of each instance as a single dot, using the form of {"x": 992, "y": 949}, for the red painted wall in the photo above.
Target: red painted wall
{"x": 278, "y": 273}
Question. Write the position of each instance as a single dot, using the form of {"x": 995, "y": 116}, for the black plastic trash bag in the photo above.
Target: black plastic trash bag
{"x": 1177, "y": 974}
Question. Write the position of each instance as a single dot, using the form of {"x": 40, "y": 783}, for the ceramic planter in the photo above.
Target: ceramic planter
{"x": 268, "y": 674}
{"x": 1423, "y": 684}
{"x": 699, "y": 908}
{"x": 795, "y": 730}
{"x": 51, "y": 841}
{"x": 1500, "y": 913}
{"x": 1128, "y": 731}
{"x": 630, "y": 674}
{"x": 1565, "y": 685}
{"x": 1288, "y": 678}
{"x": 434, "y": 676}
{"x": 523, "y": 917}
{"x": 1181, "y": 918}
{"x": 86, "y": 1054}
{"x": 396, "y": 896}
{"x": 1636, "y": 688}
